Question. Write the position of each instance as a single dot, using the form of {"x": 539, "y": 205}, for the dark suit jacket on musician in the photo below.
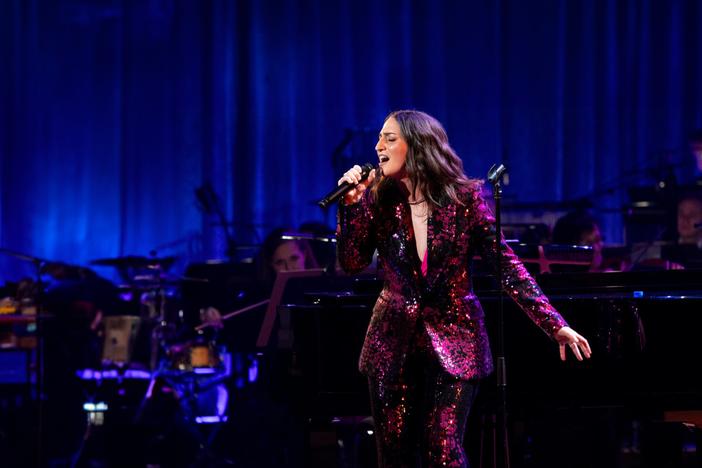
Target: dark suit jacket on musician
{"x": 440, "y": 307}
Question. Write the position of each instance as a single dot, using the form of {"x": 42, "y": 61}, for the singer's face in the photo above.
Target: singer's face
{"x": 392, "y": 149}
{"x": 288, "y": 256}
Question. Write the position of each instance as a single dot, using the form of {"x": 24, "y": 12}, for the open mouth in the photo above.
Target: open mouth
{"x": 384, "y": 159}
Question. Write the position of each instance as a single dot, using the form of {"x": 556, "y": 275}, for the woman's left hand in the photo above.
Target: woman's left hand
{"x": 566, "y": 336}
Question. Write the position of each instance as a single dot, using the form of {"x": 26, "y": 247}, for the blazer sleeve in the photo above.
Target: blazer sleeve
{"x": 355, "y": 235}
{"x": 516, "y": 280}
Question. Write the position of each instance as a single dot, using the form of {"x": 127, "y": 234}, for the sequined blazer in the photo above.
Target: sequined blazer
{"x": 440, "y": 306}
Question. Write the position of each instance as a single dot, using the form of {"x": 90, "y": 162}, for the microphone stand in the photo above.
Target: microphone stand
{"x": 495, "y": 175}
{"x": 211, "y": 203}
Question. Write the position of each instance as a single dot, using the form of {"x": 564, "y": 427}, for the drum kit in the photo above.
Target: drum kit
{"x": 161, "y": 339}
{"x": 151, "y": 349}
{"x": 151, "y": 331}
{"x": 170, "y": 367}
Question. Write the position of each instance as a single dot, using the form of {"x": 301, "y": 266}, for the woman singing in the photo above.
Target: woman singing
{"x": 426, "y": 347}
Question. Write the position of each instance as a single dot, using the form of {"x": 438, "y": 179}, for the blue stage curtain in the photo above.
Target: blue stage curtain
{"x": 114, "y": 111}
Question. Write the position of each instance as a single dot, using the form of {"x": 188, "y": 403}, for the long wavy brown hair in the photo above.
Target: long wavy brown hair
{"x": 432, "y": 166}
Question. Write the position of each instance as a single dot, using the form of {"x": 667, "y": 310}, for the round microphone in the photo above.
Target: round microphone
{"x": 344, "y": 187}
{"x": 496, "y": 172}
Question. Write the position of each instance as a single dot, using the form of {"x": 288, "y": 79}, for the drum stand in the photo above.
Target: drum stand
{"x": 162, "y": 330}
{"x": 193, "y": 387}
{"x": 193, "y": 390}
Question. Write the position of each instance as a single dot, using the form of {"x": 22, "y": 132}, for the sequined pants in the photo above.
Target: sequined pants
{"x": 420, "y": 419}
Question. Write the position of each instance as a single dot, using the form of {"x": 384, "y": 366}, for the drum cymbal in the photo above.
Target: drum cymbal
{"x": 151, "y": 282}
{"x": 166, "y": 279}
{"x": 22, "y": 256}
{"x": 136, "y": 261}
{"x": 46, "y": 266}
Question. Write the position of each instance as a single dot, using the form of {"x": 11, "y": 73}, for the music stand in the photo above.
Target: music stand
{"x": 281, "y": 280}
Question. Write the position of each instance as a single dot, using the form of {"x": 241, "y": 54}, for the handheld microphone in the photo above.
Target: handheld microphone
{"x": 344, "y": 188}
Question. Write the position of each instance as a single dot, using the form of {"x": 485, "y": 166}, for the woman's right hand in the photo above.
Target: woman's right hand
{"x": 353, "y": 176}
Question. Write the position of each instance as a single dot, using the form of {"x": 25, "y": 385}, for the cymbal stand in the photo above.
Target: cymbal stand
{"x": 39, "y": 264}
{"x": 162, "y": 328}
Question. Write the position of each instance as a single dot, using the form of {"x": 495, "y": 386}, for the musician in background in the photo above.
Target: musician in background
{"x": 580, "y": 228}
{"x": 276, "y": 254}
{"x": 689, "y": 219}
{"x": 686, "y": 252}
{"x": 683, "y": 246}
{"x": 426, "y": 347}
{"x": 277, "y": 393}
{"x": 279, "y": 254}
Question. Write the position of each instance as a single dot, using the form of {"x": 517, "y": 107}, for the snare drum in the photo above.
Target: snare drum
{"x": 202, "y": 355}
{"x": 190, "y": 356}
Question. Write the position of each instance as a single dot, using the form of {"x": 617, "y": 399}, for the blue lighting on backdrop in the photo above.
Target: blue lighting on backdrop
{"x": 112, "y": 112}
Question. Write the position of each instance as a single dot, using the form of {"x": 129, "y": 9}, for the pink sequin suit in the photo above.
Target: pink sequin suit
{"x": 426, "y": 344}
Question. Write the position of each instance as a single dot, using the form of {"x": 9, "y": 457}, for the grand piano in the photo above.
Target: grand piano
{"x": 643, "y": 327}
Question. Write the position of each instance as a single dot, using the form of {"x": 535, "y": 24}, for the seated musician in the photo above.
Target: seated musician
{"x": 279, "y": 254}
{"x": 580, "y": 228}
{"x": 276, "y": 254}
{"x": 689, "y": 219}
{"x": 687, "y": 251}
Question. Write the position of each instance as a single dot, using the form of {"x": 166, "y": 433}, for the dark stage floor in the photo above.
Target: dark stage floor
{"x": 268, "y": 426}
